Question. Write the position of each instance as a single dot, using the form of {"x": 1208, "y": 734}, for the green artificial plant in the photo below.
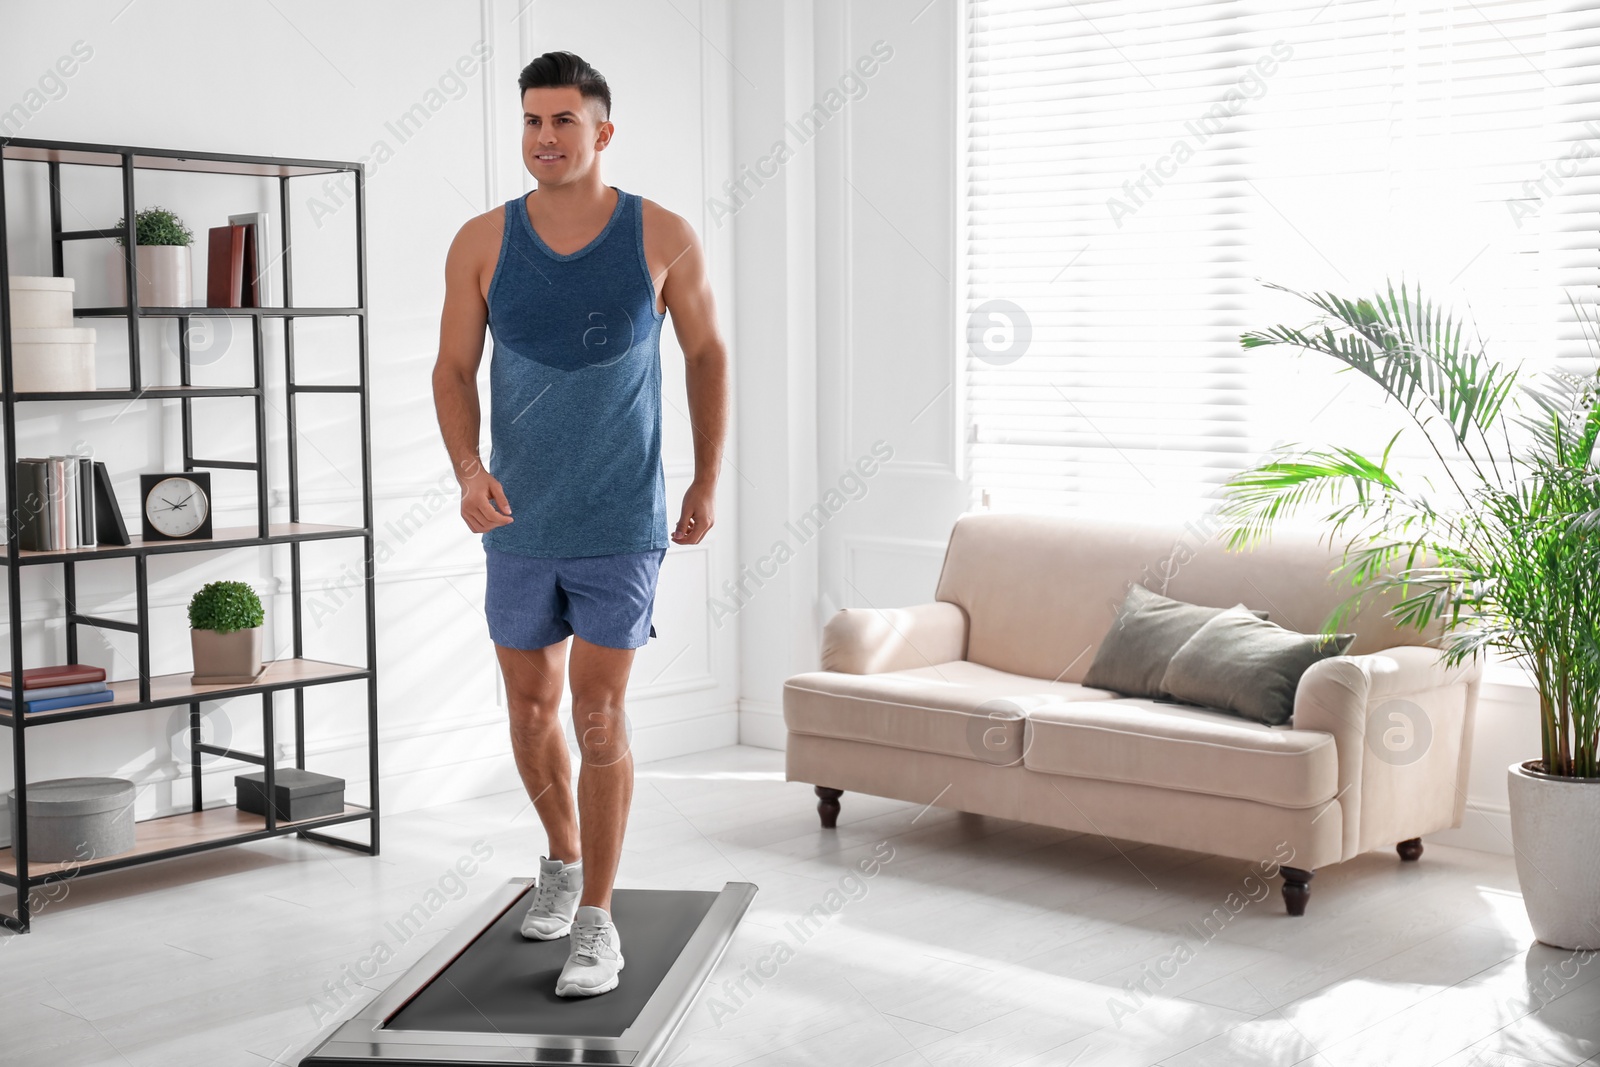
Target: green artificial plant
{"x": 1506, "y": 555}
{"x": 225, "y": 607}
{"x": 155, "y": 226}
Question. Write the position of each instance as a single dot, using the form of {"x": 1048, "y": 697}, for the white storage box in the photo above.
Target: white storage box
{"x": 52, "y": 360}
{"x": 41, "y": 302}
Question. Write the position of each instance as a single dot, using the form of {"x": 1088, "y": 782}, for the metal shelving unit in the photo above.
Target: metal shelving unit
{"x": 200, "y": 828}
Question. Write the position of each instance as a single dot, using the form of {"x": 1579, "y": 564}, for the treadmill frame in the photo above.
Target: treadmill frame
{"x": 362, "y": 1038}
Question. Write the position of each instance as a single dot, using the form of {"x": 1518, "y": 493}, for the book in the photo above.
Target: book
{"x": 55, "y": 674}
{"x": 33, "y": 489}
{"x": 58, "y": 503}
{"x": 109, "y": 527}
{"x": 65, "y": 469}
{"x": 50, "y": 692}
{"x": 86, "y": 518}
{"x": 225, "y": 267}
{"x": 247, "y": 282}
{"x": 49, "y": 527}
{"x": 257, "y": 278}
{"x": 62, "y": 702}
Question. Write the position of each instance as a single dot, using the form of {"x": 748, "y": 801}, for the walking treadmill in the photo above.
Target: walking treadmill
{"x": 485, "y": 995}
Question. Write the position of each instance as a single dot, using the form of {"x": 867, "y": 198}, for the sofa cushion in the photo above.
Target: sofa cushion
{"x": 1242, "y": 664}
{"x": 1175, "y": 746}
{"x": 1147, "y": 632}
{"x": 954, "y": 709}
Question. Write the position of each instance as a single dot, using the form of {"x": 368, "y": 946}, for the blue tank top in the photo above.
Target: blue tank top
{"x": 575, "y": 391}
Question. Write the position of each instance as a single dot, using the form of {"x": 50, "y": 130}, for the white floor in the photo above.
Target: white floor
{"x": 977, "y": 941}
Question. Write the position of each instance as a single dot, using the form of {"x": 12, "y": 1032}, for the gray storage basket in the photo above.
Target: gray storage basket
{"x": 77, "y": 819}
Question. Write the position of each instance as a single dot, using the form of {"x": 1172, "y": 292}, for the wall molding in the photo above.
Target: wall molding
{"x": 923, "y": 545}
{"x": 1486, "y": 827}
{"x": 920, "y": 469}
{"x": 761, "y": 724}
{"x": 854, "y": 545}
{"x": 278, "y": 495}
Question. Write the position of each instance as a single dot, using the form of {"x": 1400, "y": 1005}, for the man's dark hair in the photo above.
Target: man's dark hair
{"x": 557, "y": 69}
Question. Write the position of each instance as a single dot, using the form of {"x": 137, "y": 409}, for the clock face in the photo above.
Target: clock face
{"x": 176, "y": 507}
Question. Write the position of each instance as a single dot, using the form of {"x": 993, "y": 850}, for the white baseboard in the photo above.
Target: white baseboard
{"x": 761, "y": 725}
{"x": 1484, "y": 827}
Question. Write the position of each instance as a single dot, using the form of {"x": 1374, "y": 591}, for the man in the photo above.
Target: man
{"x": 573, "y": 281}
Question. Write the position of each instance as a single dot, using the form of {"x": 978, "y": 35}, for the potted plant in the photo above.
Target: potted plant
{"x": 162, "y": 259}
{"x": 1505, "y": 556}
{"x": 225, "y": 633}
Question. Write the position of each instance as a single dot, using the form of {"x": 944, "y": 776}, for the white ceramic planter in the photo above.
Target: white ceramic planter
{"x": 52, "y": 360}
{"x": 41, "y": 303}
{"x": 1555, "y": 831}
{"x": 165, "y": 276}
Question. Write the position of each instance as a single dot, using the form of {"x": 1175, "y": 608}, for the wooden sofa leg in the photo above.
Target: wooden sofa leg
{"x": 828, "y": 806}
{"x": 1296, "y": 889}
{"x": 1411, "y": 850}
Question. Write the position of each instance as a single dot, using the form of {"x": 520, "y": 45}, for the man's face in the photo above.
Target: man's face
{"x": 561, "y": 133}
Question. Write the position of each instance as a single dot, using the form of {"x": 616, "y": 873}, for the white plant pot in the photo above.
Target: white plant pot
{"x": 1555, "y": 832}
{"x": 52, "y": 360}
{"x": 165, "y": 276}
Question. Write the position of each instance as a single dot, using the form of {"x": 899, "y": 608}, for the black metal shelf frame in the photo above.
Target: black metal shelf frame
{"x": 55, "y": 154}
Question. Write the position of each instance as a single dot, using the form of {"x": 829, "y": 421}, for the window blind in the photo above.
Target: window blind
{"x": 1135, "y": 171}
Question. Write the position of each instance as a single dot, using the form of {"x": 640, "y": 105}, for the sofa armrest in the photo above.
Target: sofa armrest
{"x": 1410, "y": 778}
{"x": 874, "y": 640}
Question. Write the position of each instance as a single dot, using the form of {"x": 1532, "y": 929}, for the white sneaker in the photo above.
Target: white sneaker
{"x": 555, "y": 900}
{"x": 596, "y": 955}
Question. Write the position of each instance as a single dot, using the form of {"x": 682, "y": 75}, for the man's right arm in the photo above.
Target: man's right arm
{"x": 455, "y": 375}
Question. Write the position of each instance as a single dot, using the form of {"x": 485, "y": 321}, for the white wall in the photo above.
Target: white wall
{"x": 863, "y": 203}
{"x": 307, "y": 79}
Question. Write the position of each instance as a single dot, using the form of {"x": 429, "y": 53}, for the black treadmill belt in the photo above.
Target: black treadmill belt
{"x": 505, "y": 983}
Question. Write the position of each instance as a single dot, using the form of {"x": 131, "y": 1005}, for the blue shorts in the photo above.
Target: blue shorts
{"x": 534, "y": 601}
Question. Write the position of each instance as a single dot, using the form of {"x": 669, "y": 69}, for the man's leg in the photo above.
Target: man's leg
{"x": 605, "y": 775}
{"x": 533, "y": 693}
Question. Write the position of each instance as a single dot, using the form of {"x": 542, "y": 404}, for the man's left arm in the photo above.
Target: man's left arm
{"x": 686, "y": 293}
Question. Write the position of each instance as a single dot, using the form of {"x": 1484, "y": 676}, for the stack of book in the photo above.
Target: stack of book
{"x": 64, "y": 685}
{"x": 67, "y": 503}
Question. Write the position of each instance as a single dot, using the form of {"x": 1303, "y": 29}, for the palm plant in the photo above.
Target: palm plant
{"x": 1508, "y": 556}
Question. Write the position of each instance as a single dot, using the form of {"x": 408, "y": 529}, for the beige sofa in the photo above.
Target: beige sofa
{"x": 973, "y": 703}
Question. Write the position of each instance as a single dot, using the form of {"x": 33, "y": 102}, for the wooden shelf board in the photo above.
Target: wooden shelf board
{"x": 220, "y": 537}
{"x": 162, "y": 311}
{"x": 154, "y": 836}
{"x": 94, "y": 155}
{"x": 145, "y": 392}
{"x": 177, "y": 688}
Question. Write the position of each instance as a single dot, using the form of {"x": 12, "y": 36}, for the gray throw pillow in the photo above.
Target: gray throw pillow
{"x": 1239, "y": 663}
{"x": 1148, "y": 630}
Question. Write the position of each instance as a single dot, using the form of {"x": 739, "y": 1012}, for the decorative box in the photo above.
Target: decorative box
{"x": 76, "y": 819}
{"x": 52, "y": 360}
{"x": 48, "y": 353}
{"x": 297, "y": 794}
{"x": 41, "y": 303}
